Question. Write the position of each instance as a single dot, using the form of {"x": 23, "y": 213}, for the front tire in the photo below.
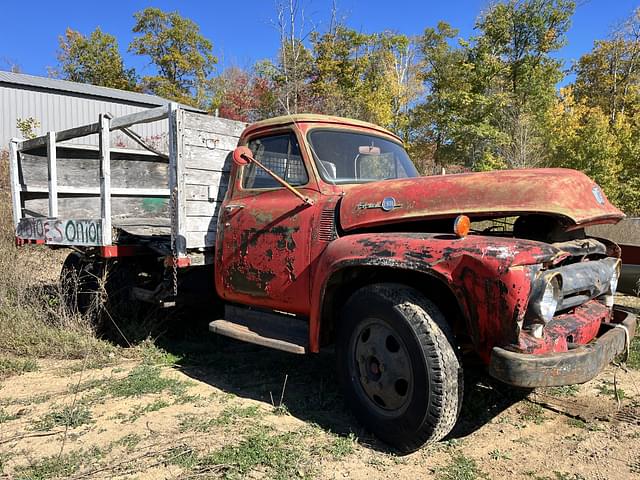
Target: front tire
{"x": 398, "y": 365}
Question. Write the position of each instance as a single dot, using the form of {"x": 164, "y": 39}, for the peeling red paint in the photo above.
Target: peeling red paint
{"x": 277, "y": 253}
{"x": 561, "y": 192}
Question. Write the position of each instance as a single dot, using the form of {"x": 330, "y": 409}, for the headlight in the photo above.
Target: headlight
{"x": 613, "y": 286}
{"x": 544, "y": 302}
{"x": 548, "y": 303}
{"x": 613, "y": 283}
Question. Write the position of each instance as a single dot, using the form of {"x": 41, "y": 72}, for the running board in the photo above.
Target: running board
{"x": 282, "y": 332}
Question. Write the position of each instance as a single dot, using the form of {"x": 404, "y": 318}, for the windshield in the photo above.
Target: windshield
{"x": 353, "y": 157}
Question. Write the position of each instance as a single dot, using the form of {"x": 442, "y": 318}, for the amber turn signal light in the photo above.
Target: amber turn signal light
{"x": 461, "y": 226}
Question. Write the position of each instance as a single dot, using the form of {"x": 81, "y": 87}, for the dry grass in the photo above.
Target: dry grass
{"x": 34, "y": 320}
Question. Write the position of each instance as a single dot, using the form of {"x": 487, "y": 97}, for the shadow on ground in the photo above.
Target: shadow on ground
{"x": 312, "y": 393}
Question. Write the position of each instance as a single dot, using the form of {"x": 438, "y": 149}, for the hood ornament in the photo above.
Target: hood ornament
{"x": 387, "y": 204}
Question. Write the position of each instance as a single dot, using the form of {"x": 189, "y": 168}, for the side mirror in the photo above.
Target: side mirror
{"x": 242, "y": 156}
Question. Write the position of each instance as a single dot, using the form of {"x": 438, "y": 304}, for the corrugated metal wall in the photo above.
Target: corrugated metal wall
{"x": 58, "y": 111}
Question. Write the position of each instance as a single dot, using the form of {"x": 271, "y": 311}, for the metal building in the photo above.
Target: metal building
{"x": 60, "y": 104}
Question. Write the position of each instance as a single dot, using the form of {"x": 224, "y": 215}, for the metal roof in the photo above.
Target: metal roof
{"x": 84, "y": 89}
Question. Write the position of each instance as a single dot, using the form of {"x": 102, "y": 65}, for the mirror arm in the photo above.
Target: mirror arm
{"x": 280, "y": 180}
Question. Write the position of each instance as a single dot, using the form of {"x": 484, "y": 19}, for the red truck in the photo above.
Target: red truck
{"x": 319, "y": 231}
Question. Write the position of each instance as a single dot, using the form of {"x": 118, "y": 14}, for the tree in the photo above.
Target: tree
{"x": 94, "y": 59}
{"x": 609, "y": 75}
{"x": 243, "y": 95}
{"x": 514, "y": 51}
{"x": 181, "y": 54}
{"x": 584, "y": 139}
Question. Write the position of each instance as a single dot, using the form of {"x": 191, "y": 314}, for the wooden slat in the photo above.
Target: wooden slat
{"x": 197, "y": 208}
{"x": 205, "y": 159}
{"x": 52, "y": 174}
{"x": 145, "y": 116}
{"x": 208, "y": 140}
{"x": 14, "y": 173}
{"x": 62, "y": 135}
{"x": 201, "y": 239}
{"x": 177, "y": 180}
{"x": 89, "y": 207}
{"x": 105, "y": 179}
{"x": 115, "y": 191}
{"x": 201, "y": 224}
{"x": 205, "y": 177}
{"x": 86, "y": 172}
{"x": 209, "y": 123}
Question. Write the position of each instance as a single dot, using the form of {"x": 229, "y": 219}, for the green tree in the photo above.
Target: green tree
{"x": 181, "y": 54}
{"x": 488, "y": 98}
{"x": 583, "y": 139}
{"x": 94, "y": 59}
{"x": 520, "y": 75}
{"x": 609, "y": 75}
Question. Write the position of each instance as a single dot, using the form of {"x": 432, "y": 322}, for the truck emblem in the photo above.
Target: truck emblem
{"x": 387, "y": 204}
{"x": 597, "y": 193}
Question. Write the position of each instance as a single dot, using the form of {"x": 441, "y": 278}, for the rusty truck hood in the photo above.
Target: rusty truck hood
{"x": 554, "y": 191}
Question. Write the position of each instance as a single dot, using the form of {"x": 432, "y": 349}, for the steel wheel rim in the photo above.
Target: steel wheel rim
{"x": 381, "y": 367}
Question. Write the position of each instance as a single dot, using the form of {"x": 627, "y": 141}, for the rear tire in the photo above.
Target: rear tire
{"x": 398, "y": 365}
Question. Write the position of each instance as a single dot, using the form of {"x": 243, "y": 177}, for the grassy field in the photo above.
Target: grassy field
{"x": 199, "y": 406}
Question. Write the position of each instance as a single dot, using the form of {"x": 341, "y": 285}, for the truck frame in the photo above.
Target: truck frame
{"x": 311, "y": 230}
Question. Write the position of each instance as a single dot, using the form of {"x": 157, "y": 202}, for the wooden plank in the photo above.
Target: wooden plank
{"x": 206, "y": 159}
{"x": 57, "y": 231}
{"x": 177, "y": 181}
{"x": 14, "y": 174}
{"x": 196, "y": 208}
{"x": 105, "y": 179}
{"x": 208, "y": 123}
{"x": 89, "y": 207}
{"x": 201, "y": 239}
{"x": 205, "y": 177}
{"x": 145, "y": 116}
{"x": 201, "y": 224}
{"x": 85, "y": 172}
{"x": 76, "y": 132}
{"x": 115, "y": 191}
{"x": 209, "y": 140}
{"x": 52, "y": 174}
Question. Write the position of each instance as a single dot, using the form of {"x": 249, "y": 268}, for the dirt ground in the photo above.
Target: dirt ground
{"x": 218, "y": 408}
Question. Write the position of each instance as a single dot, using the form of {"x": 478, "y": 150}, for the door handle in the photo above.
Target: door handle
{"x": 231, "y": 208}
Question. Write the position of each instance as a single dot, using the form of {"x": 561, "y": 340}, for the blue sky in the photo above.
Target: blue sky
{"x": 242, "y": 31}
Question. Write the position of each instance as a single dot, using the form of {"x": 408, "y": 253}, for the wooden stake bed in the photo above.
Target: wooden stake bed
{"x": 88, "y": 196}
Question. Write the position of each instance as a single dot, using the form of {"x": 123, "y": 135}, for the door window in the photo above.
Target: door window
{"x": 281, "y": 155}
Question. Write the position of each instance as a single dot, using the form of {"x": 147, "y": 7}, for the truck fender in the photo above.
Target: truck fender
{"x": 491, "y": 291}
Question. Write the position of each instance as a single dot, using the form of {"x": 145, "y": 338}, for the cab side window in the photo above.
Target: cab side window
{"x": 279, "y": 153}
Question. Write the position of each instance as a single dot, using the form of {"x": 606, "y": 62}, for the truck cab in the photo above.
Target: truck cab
{"x": 326, "y": 235}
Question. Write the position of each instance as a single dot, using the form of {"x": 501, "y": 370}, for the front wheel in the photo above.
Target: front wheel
{"x": 398, "y": 365}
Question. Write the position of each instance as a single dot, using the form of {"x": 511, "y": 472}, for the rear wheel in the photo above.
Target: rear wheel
{"x": 398, "y": 365}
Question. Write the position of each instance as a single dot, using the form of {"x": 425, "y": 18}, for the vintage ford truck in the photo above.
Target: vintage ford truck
{"x": 318, "y": 231}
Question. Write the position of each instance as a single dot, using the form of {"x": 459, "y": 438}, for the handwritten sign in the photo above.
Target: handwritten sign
{"x": 61, "y": 232}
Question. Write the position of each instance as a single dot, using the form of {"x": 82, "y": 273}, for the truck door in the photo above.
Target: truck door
{"x": 265, "y": 230}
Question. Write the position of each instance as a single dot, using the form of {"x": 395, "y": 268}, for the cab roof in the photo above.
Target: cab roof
{"x": 314, "y": 118}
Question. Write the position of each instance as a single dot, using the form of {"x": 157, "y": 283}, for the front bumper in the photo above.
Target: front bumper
{"x": 577, "y": 365}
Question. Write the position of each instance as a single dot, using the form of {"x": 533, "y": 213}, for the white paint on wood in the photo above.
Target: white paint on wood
{"x": 196, "y": 208}
{"x": 105, "y": 179}
{"x": 14, "y": 173}
{"x": 145, "y": 116}
{"x": 52, "y": 174}
{"x": 203, "y": 239}
{"x": 96, "y": 191}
